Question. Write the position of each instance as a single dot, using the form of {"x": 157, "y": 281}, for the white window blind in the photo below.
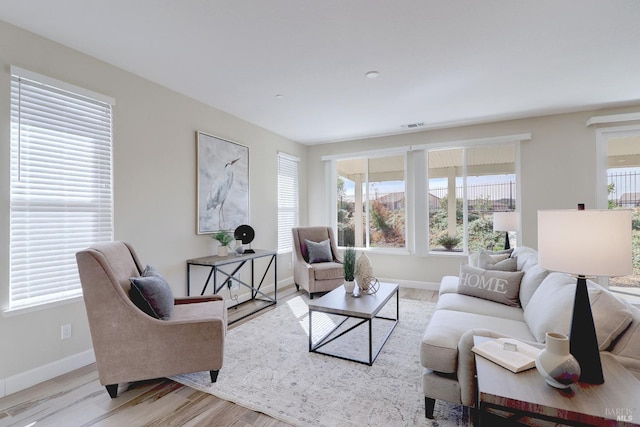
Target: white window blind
{"x": 287, "y": 200}
{"x": 61, "y": 186}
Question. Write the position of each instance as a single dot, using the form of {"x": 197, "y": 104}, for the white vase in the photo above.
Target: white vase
{"x": 223, "y": 250}
{"x": 364, "y": 272}
{"x": 349, "y": 285}
{"x": 555, "y": 363}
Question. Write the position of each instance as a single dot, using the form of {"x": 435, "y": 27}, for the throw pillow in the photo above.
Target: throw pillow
{"x": 551, "y": 307}
{"x": 532, "y": 278}
{"x": 498, "y": 286}
{"x": 474, "y": 258}
{"x": 497, "y": 262}
{"x": 319, "y": 251}
{"x": 152, "y": 294}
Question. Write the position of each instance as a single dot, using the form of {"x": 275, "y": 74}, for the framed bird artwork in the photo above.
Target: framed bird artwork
{"x": 222, "y": 184}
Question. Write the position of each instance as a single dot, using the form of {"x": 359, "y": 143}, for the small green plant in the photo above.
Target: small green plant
{"x": 448, "y": 242}
{"x": 223, "y": 236}
{"x": 349, "y": 265}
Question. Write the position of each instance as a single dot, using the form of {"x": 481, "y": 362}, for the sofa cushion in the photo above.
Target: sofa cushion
{"x": 439, "y": 345}
{"x": 629, "y": 343}
{"x": 319, "y": 251}
{"x": 328, "y": 271}
{"x": 489, "y": 262}
{"x": 532, "y": 278}
{"x": 498, "y": 286}
{"x": 152, "y": 294}
{"x": 550, "y": 309}
{"x": 469, "y": 304}
{"x": 527, "y": 257}
{"x": 449, "y": 285}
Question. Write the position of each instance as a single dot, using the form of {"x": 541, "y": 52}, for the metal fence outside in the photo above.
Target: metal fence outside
{"x": 624, "y": 189}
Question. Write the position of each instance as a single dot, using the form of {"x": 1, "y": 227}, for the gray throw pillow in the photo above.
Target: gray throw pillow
{"x": 489, "y": 261}
{"x": 152, "y": 294}
{"x": 319, "y": 251}
{"x": 498, "y": 286}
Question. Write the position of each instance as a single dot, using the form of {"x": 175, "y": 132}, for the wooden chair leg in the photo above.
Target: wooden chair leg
{"x": 429, "y": 404}
{"x": 112, "y": 389}
{"x": 214, "y": 376}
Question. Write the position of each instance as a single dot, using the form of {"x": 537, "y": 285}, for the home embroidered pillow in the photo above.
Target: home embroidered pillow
{"x": 319, "y": 251}
{"x": 493, "y": 285}
{"x": 152, "y": 294}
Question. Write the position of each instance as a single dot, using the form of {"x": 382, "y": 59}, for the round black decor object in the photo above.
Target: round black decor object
{"x": 245, "y": 233}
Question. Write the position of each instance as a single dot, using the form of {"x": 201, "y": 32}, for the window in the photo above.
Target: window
{"x": 465, "y": 187}
{"x": 371, "y": 202}
{"x": 61, "y": 185}
{"x": 287, "y": 200}
{"x": 623, "y": 185}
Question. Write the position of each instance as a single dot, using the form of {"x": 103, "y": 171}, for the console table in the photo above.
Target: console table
{"x": 526, "y": 394}
{"x": 228, "y": 266}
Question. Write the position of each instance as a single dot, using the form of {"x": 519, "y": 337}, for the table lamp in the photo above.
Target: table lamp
{"x": 505, "y": 221}
{"x": 585, "y": 243}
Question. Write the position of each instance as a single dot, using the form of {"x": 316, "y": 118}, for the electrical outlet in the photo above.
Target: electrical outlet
{"x": 235, "y": 285}
{"x": 65, "y": 331}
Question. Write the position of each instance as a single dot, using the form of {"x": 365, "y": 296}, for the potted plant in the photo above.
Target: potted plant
{"x": 449, "y": 242}
{"x": 224, "y": 237}
{"x": 349, "y": 266}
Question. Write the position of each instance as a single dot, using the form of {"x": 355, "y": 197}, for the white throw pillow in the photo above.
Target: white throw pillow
{"x": 551, "y": 307}
{"x": 531, "y": 280}
{"x": 497, "y": 262}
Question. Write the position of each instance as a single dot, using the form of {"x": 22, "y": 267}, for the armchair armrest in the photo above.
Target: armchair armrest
{"x": 196, "y": 299}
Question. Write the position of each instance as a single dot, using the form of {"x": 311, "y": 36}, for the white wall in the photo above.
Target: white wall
{"x": 154, "y": 187}
{"x": 558, "y": 171}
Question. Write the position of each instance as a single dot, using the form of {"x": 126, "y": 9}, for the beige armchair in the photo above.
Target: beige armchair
{"x": 131, "y": 345}
{"x": 315, "y": 277}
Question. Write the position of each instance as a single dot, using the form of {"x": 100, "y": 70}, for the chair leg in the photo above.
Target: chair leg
{"x": 429, "y": 404}
{"x": 214, "y": 376}
{"x": 112, "y": 389}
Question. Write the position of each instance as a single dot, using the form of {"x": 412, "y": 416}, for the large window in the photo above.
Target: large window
{"x": 61, "y": 185}
{"x": 287, "y": 200}
{"x": 465, "y": 187}
{"x": 371, "y": 205}
{"x": 623, "y": 185}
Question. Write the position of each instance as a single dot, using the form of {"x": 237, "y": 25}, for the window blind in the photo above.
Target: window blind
{"x": 61, "y": 186}
{"x": 287, "y": 200}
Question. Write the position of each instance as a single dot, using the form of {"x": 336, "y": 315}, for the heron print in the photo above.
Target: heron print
{"x": 223, "y": 184}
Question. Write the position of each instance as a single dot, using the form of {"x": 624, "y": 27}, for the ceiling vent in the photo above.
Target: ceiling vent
{"x": 413, "y": 125}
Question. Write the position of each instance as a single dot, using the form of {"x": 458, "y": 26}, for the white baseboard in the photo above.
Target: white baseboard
{"x": 46, "y": 372}
{"x": 428, "y": 286}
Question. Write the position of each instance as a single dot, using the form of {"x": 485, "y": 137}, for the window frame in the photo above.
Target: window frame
{"x": 332, "y": 182}
{"x": 423, "y": 239}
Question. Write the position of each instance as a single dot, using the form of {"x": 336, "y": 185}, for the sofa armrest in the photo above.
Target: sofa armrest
{"x": 467, "y": 364}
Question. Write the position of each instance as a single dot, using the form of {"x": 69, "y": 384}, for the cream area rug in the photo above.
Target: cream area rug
{"x": 268, "y": 368}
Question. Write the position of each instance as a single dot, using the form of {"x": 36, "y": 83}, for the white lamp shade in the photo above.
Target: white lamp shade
{"x": 506, "y": 221}
{"x": 587, "y": 242}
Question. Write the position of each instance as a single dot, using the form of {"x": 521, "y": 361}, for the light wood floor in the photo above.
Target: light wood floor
{"x": 78, "y": 399}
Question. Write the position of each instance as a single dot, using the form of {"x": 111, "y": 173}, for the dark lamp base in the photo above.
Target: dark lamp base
{"x": 583, "y": 340}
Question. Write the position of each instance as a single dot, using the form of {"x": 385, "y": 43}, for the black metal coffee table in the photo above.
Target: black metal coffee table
{"x": 365, "y": 308}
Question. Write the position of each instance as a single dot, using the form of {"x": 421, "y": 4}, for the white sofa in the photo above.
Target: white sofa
{"x": 544, "y": 303}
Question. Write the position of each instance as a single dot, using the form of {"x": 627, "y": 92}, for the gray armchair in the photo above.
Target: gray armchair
{"x": 131, "y": 345}
{"x": 316, "y": 277}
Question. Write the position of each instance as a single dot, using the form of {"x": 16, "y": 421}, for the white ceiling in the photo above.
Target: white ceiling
{"x": 441, "y": 62}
